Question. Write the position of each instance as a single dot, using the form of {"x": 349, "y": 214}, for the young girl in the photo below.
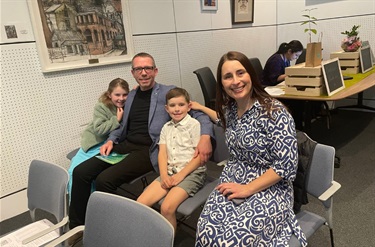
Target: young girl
{"x": 108, "y": 114}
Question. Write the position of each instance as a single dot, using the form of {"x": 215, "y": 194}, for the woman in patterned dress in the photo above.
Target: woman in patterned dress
{"x": 253, "y": 203}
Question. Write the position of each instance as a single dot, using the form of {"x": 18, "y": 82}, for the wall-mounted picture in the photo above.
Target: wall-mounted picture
{"x": 79, "y": 33}
{"x": 209, "y": 4}
{"x": 242, "y": 11}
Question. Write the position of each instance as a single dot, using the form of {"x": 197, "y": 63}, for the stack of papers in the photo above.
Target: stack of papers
{"x": 279, "y": 89}
{"x": 15, "y": 238}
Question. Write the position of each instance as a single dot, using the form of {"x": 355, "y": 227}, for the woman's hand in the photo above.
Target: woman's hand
{"x": 234, "y": 190}
{"x": 120, "y": 113}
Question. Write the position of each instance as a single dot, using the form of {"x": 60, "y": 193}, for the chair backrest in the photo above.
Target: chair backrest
{"x": 207, "y": 82}
{"x": 254, "y": 61}
{"x": 112, "y": 220}
{"x": 321, "y": 171}
{"x": 47, "y": 186}
{"x": 221, "y": 151}
{"x": 302, "y": 57}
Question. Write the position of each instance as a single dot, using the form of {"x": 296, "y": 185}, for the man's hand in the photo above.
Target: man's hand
{"x": 204, "y": 149}
{"x": 106, "y": 148}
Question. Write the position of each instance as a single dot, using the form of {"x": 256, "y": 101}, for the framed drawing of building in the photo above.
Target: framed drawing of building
{"x": 79, "y": 33}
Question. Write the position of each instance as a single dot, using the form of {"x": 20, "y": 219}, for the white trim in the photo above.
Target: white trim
{"x": 13, "y": 205}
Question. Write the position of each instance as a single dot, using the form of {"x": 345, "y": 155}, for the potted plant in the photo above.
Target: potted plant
{"x": 310, "y": 20}
{"x": 351, "y": 42}
{"x": 313, "y": 49}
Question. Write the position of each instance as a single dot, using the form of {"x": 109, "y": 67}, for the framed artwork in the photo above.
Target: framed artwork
{"x": 242, "y": 11}
{"x": 209, "y": 4}
{"x": 77, "y": 33}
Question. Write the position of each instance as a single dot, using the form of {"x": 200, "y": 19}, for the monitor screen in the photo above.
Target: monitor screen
{"x": 332, "y": 76}
{"x": 365, "y": 59}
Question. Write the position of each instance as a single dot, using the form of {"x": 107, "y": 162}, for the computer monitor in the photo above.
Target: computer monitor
{"x": 332, "y": 76}
{"x": 365, "y": 59}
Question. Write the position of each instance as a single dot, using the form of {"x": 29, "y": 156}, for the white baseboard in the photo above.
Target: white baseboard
{"x": 13, "y": 205}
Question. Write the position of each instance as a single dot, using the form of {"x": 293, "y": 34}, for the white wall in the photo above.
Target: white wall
{"x": 42, "y": 115}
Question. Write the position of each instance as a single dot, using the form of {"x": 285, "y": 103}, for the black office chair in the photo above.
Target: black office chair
{"x": 207, "y": 82}
{"x": 302, "y": 57}
{"x": 254, "y": 61}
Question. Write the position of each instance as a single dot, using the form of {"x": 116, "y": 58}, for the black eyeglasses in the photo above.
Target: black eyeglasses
{"x": 147, "y": 69}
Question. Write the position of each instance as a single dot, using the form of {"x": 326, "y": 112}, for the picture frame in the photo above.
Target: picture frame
{"x": 333, "y": 78}
{"x": 81, "y": 34}
{"x": 242, "y": 11}
{"x": 210, "y": 5}
{"x": 365, "y": 59}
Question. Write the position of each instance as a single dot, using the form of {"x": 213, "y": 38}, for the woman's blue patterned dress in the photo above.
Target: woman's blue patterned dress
{"x": 256, "y": 143}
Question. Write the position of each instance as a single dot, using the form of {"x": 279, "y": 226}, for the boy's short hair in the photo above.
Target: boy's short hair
{"x": 177, "y": 92}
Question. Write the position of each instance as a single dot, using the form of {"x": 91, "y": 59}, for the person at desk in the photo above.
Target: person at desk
{"x": 274, "y": 70}
{"x": 274, "y": 73}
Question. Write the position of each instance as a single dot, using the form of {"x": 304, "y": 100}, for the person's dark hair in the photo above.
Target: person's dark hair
{"x": 105, "y": 97}
{"x": 294, "y": 46}
{"x": 257, "y": 91}
{"x": 177, "y": 92}
{"x": 144, "y": 54}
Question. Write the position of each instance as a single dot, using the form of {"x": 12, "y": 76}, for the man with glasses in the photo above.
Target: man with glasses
{"x": 138, "y": 136}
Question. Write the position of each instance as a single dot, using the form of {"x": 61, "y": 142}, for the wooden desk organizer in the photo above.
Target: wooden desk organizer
{"x": 349, "y": 61}
{"x": 306, "y": 81}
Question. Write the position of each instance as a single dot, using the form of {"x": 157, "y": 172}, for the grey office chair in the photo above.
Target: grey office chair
{"x": 207, "y": 82}
{"x": 220, "y": 154}
{"x": 321, "y": 185}
{"x": 46, "y": 190}
{"x": 113, "y": 220}
{"x": 254, "y": 61}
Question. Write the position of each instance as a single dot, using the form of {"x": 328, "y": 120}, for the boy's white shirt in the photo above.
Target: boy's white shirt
{"x": 180, "y": 139}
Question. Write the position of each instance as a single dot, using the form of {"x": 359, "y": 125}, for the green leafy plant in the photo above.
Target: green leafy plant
{"x": 310, "y": 21}
{"x": 353, "y": 32}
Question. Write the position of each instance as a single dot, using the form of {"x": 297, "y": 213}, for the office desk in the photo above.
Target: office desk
{"x": 349, "y": 90}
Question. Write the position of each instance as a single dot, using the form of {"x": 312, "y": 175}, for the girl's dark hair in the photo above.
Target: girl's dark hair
{"x": 294, "y": 46}
{"x": 105, "y": 97}
{"x": 177, "y": 92}
{"x": 257, "y": 91}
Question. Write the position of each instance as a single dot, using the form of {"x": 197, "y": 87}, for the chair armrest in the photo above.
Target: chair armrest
{"x": 46, "y": 231}
{"x": 65, "y": 236}
{"x": 222, "y": 163}
{"x": 330, "y": 191}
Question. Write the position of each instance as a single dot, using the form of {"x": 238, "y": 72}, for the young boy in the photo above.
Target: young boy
{"x": 181, "y": 175}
